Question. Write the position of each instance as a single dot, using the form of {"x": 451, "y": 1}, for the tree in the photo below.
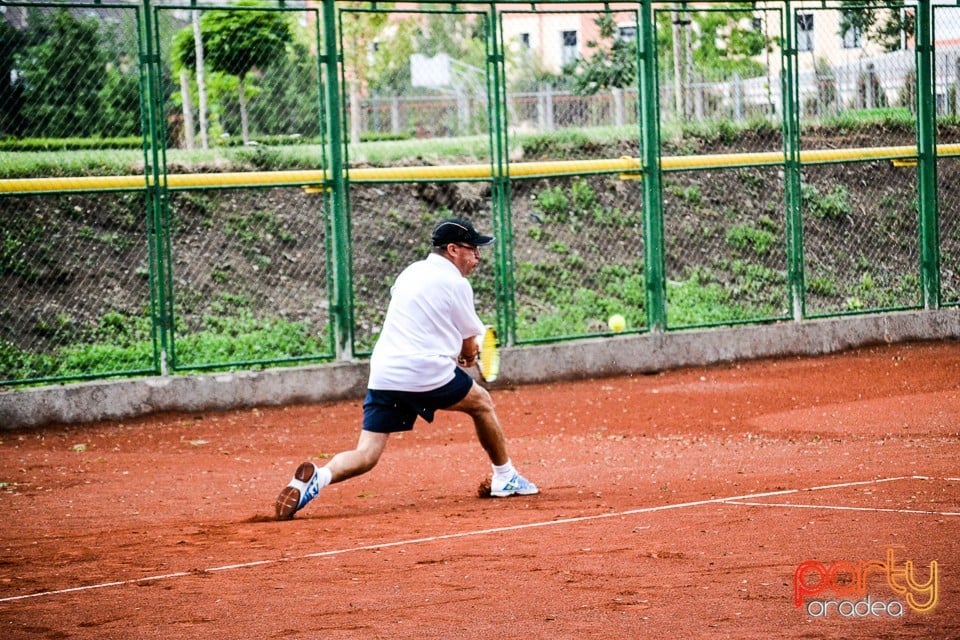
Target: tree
{"x": 62, "y": 73}
{"x": 201, "y": 79}
{"x": 720, "y": 45}
{"x": 12, "y": 43}
{"x": 526, "y": 71}
{"x": 181, "y": 65}
{"x": 889, "y": 23}
{"x": 188, "y": 55}
{"x": 237, "y": 42}
{"x": 288, "y": 99}
{"x": 389, "y": 71}
{"x": 359, "y": 31}
{"x": 724, "y": 46}
{"x": 613, "y": 63}
{"x": 462, "y": 37}
{"x": 120, "y": 101}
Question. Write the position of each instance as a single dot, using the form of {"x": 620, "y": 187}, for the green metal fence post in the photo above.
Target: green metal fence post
{"x": 656, "y": 292}
{"x": 500, "y": 186}
{"x": 927, "y": 159}
{"x": 793, "y": 203}
{"x": 341, "y": 262}
{"x": 155, "y": 175}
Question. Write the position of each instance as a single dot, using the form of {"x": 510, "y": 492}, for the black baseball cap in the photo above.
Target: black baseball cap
{"x": 458, "y": 230}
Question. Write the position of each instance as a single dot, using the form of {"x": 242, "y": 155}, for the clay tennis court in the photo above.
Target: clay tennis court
{"x": 675, "y": 505}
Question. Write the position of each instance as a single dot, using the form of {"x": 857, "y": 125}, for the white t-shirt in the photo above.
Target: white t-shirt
{"x": 431, "y": 313}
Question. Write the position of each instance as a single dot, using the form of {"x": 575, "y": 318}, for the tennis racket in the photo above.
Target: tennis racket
{"x": 488, "y": 364}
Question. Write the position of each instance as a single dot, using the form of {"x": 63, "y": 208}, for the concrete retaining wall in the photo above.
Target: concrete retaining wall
{"x": 593, "y": 358}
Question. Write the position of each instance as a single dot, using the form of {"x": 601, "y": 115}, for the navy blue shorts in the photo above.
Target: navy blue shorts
{"x": 392, "y": 411}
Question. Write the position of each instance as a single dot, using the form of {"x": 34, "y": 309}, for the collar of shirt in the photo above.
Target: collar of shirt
{"x": 439, "y": 260}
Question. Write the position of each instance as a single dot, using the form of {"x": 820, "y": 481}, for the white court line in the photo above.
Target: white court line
{"x": 737, "y": 501}
{"x": 464, "y": 534}
{"x": 844, "y": 485}
{"x": 840, "y": 508}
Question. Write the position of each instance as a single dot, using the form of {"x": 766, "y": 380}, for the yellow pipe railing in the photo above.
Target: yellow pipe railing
{"x": 625, "y": 165}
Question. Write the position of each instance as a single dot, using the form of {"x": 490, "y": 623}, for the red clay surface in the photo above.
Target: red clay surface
{"x": 652, "y": 521}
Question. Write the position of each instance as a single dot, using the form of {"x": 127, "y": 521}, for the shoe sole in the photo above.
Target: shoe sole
{"x": 289, "y": 497}
{"x": 507, "y": 494}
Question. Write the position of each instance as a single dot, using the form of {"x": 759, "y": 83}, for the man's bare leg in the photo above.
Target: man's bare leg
{"x": 506, "y": 481}
{"x": 349, "y": 464}
{"x": 479, "y": 405}
{"x": 309, "y": 479}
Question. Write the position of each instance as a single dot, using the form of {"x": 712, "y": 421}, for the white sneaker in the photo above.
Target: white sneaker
{"x": 515, "y": 486}
{"x": 302, "y": 489}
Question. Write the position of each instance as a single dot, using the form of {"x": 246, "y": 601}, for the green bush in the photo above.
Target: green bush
{"x": 553, "y": 202}
{"x": 121, "y": 343}
{"x": 246, "y": 338}
{"x": 822, "y": 285}
{"x": 695, "y": 301}
{"x": 70, "y": 144}
{"x": 582, "y": 195}
{"x": 759, "y": 241}
{"x": 272, "y": 141}
{"x": 374, "y": 136}
{"x": 583, "y": 311}
{"x": 831, "y": 206}
{"x": 562, "y": 144}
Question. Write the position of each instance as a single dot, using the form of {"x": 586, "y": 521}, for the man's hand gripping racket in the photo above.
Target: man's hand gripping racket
{"x": 484, "y": 353}
{"x": 488, "y": 364}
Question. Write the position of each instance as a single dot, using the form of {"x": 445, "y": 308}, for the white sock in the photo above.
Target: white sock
{"x": 323, "y": 477}
{"x": 504, "y": 470}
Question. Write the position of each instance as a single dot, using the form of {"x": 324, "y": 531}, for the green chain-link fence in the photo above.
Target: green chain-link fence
{"x": 724, "y": 228}
{"x": 235, "y": 184}
{"x": 946, "y": 24}
{"x": 76, "y": 286}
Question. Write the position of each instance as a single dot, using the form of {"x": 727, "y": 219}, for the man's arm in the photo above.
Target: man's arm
{"x": 469, "y": 352}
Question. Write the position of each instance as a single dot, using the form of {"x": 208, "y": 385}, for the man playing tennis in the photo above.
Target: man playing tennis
{"x": 430, "y": 327}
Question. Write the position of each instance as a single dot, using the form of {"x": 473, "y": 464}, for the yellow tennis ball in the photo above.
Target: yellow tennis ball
{"x": 617, "y": 322}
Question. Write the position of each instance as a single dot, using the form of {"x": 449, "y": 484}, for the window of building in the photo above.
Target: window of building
{"x": 525, "y": 40}
{"x": 627, "y": 33}
{"x": 852, "y": 38}
{"x": 569, "y": 51}
{"x": 804, "y": 32}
